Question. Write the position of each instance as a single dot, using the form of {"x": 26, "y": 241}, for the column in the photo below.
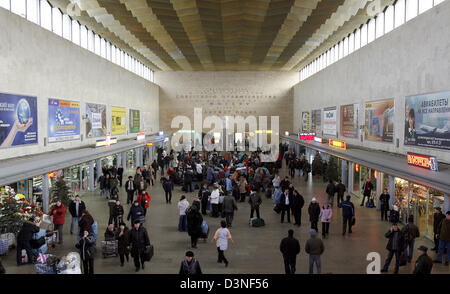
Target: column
{"x": 45, "y": 196}
{"x": 124, "y": 162}
{"x": 91, "y": 176}
{"x": 391, "y": 191}
{"x": 379, "y": 188}
{"x": 80, "y": 172}
{"x": 351, "y": 169}
{"x": 119, "y": 159}
{"x": 136, "y": 154}
{"x": 446, "y": 204}
{"x": 150, "y": 154}
{"x": 344, "y": 171}
{"x": 99, "y": 167}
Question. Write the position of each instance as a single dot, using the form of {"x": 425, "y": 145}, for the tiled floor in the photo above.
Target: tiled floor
{"x": 256, "y": 250}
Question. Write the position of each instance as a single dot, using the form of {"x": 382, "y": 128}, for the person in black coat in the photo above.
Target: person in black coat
{"x": 120, "y": 175}
{"x": 384, "y": 204}
{"x": 139, "y": 241}
{"x": 130, "y": 188}
{"x": 424, "y": 263}
{"x": 76, "y": 209}
{"x": 203, "y": 195}
{"x": 285, "y": 203}
{"x": 437, "y": 220}
{"x": 330, "y": 192}
{"x": 190, "y": 266}
{"x": 123, "y": 239}
{"x": 367, "y": 191}
{"x": 395, "y": 246}
{"x": 297, "y": 204}
{"x": 314, "y": 213}
{"x": 87, "y": 252}
{"x": 194, "y": 224}
{"x": 290, "y": 248}
{"x": 340, "y": 190}
{"x": 168, "y": 187}
{"x": 117, "y": 213}
{"x": 188, "y": 175}
{"x": 23, "y": 240}
{"x": 136, "y": 212}
{"x": 348, "y": 212}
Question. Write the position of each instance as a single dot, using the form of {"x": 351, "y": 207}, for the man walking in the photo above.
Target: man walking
{"x": 130, "y": 187}
{"x": 384, "y": 204}
{"x": 314, "y": 247}
{"x": 190, "y": 266}
{"x": 168, "y": 187}
{"x": 395, "y": 246}
{"x": 229, "y": 206}
{"x": 367, "y": 191}
{"x": 410, "y": 233}
{"x": 437, "y": 220}
{"x": 314, "y": 213}
{"x": 348, "y": 213}
{"x": 76, "y": 208}
{"x": 285, "y": 202}
{"x": 138, "y": 241}
{"x": 254, "y": 201}
{"x": 444, "y": 239}
{"x": 290, "y": 248}
{"x": 340, "y": 190}
{"x": 330, "y": 192}
{"x": 424, "y": 264}
{"x": 120, "y": 175}
{"x": 203, "y": 195}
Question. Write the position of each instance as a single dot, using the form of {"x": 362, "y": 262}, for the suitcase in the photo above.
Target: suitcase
{"x": 148, "y": 254}
{"x": 110, "y": 248}
{"x": 204, "y": 236}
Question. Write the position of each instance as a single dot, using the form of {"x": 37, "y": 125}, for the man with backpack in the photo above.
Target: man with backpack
{"x": 410, "y": 233}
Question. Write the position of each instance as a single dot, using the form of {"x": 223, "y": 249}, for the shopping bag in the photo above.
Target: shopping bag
{"x": 148, "y": 253}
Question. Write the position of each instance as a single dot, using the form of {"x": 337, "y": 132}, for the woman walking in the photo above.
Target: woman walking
{"x": 243, "y": 188}
{"x": 325, "y": 217}
{"x": 221, "y": 237}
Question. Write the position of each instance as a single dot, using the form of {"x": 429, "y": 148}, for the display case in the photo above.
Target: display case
{"x": 401, "y": 198}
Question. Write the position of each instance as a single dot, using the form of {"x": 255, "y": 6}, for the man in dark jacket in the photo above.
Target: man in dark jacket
{"x": 87, "y": 252}
{"x": 367, "y": 190}
{"x": 120, "y": 175}
{"x": 76, "y": 208}
{"x": 330, "y": 192}
{"x": 284, "y": 184}
{"x": 168, "y": 187}
{"x": 23, "y": 240}
{"x": 101, "y": 182}
{"x": 229, "y": 206}
{"x": 297, "y": 204}
{"x": 395, "y": 246}
{"x": 117, "y": 214}
{"x": 285, "y": 203}
{"x": 254, "y": 201}
{"x": 314, "y": 213}
{"x": 190, "y": 266}
{"x": 136, "y": 212}
{"x": 444, "y": 239}
{"x": 290, "y": 247}
{"x": 384, "y": 204}
{"x": 315, "y": 248}
{"x": 437, "y": 220}
{"x": 130, "y": 187}
{"x": 188, "y": 175}
{"x": 340, "y": 190}
{"x": 194, "y": 221}
{"x": 348, "y": 212}
{"x": 203, "y": 195}
{"x": 138, "y": 241}
{"x": 410, "y": 233}
{"x": 424, "y": 264}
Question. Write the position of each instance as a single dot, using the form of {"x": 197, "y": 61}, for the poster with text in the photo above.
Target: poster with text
{"x": 63, "y": 120}
{"x": 147, "y": 121}
{"x": 329, "y": 121}
{"x": 118, "y": 122}
{"x": 18, "y": 120}
{"x": 305, "y": 121}
{"x": 379, "y": 120}
{"x": 96, "y": 120}
{"x": 316, "y": 122}
{"x": 349, "y": 120}
{"x": 135, "y": 121}
{"x": 427, "y": 120}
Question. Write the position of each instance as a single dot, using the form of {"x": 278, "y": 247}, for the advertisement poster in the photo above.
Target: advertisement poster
{"x": 135, "y": 121}
{"x": 63, "y": 120}
{"x": 427, "y": 120}
{"x": 96, "y": 120}
{"x": 329, "y": 121}
{"x": 305, "y": 122}
{"x": 147, "y": 121}
{"x": 316, "y": 121}
{"x": 379, "y": 124}
{"x": 18, "y": 120}
{"x": 118, "y": 122}
{"x": 349, "y": 120}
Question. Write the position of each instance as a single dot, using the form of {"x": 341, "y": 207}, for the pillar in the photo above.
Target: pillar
{"x": 351, "y": 169}
{"x": 45, "y": 194}
{"x": 391, "y": 191}
{"x": 119, "y": 159}
{"x": 99, "y": 167}
{"x": 150, "y": 154}
{"x": 91, "y": 176}
{"x": 344, "y": 171}
{"x": 136, "y": 154}
{"x": 446, "y": 204}
{"x": 124, "y": 161}
{"x": 379, "y": 189}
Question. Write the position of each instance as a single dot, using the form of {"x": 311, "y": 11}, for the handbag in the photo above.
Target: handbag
{"x": 148, "y": 253}
{"x": 403, "y": 260}
{"x": 353, "y": 221}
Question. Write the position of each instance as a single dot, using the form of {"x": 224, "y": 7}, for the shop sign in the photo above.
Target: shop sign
{"x": 337, "y": 144}
{"x": 149, "y": 144}
{"x": 107, "y": 142}
{"x": 357, "y": 167}
{"x": 318, "y": 139}
{"x": 423, "y": 161}
{"x": 140, "y": 136}
{"x": 306, "y": 136}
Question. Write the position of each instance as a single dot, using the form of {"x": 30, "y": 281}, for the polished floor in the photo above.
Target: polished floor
{"x": 256, "y": 250}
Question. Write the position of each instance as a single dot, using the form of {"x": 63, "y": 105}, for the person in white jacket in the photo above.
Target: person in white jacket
{"x": 183, "y": 204}
{"x": 214, "y": 199}
{"x": 325, "y": 217}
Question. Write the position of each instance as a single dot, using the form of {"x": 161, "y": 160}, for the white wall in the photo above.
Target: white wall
{"x": 412, "y": 59}
{"x": 37, "y": 62}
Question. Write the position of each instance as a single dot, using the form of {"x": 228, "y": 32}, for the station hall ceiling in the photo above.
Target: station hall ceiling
{"x": 218, "y": 35}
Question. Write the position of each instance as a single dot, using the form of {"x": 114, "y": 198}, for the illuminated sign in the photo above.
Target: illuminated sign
{"x": 140, "y": 136}
{"x": 51, "y": 175}
{"x": 286, "y": 133}
{"x": 357, "y": 167}
{"x": 423, "y": 161}
{"x": 107, "y": 142}
{"x": 263, "y": 131}
{"x": 337, "y": 144}
{"x": 375, "y": 174}
{"x": 318, "y": 139}
{"x": 149, "y": 144}
{"x": 161, "y": 133}
{"x": 306, "y": 136}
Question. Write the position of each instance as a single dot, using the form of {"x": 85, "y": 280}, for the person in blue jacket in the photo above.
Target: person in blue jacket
{"x": 348, "y": 212}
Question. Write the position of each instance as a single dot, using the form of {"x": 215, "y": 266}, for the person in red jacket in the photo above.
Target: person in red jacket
{"x": 144, "y": 200}
{"x": 58, "y": 212}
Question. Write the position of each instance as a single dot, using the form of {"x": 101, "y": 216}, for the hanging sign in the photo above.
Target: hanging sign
{"x": 423, "y": 161}
{"x": 337, "y": 144}
{"x": 107, "y": 142}
{"x": 306, "y": 136}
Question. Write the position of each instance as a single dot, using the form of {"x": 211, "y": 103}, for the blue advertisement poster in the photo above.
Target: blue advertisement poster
{"x": 427, "y": 120}
{"x": 18, "y": 120}
{"x": 63, "y": 120}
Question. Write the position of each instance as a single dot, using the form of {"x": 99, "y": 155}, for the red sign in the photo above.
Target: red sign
{"x": 306, "y": 136}
{"x": 337, "y": 144}
{"x": 424, "y": 161}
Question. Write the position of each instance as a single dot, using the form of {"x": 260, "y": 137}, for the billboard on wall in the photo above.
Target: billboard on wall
{"x": 63, "y": 120}
{"x": 118, "y": 121}
{"x": 316, "y": 121}
{"x": 305, "y": 121}
{"x": 427, "y": 120}
{"x": 96, "y": 120}
{"x": 349, "y": 120}
{"x": 135, "y": 121}
{"x": 147, "y": 121}
{"x": 18, "y": 120}
{"x": 329, "y": 121}
{"x": 379, "y": 120}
